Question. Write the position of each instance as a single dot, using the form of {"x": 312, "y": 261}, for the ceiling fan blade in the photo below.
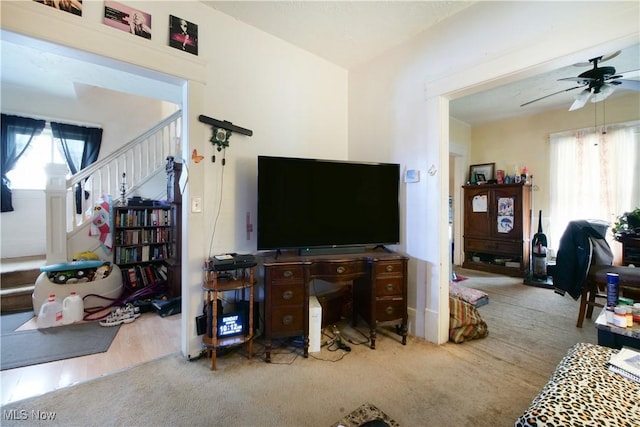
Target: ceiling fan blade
{"x": 580, "y": 100}
{"x": 629, "y": 74}
{"x": 628, "y": 84}
{"x": 602, "y": 58}
{"x": 551, "y": 94}
{"x": 581, "y": 80}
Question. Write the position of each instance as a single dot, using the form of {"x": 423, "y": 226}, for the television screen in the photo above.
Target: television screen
{"x": 312, "y": 203}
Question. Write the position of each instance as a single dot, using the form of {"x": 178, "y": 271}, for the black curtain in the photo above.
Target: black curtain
{"x": 92, "y": 138}
{"x": 13, "y": 148}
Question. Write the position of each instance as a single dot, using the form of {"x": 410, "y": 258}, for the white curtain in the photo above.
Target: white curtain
{"x": 594, "y": 175}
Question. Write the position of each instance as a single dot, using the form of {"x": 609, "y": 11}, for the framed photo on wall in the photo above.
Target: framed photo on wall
{"x": 127, "y": 19}
{"x": 486, "y": 170}
{"x": 183, "y": 35}
{"x": 71, "y": 6}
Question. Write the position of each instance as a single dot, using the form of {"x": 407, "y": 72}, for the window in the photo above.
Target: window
{"x": 29, "y": 173}
{"x": 594, "y": 175}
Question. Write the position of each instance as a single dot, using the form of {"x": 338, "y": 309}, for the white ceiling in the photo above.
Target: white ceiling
{"x": 343, "y": 32}
{"x": 348, "y": 33}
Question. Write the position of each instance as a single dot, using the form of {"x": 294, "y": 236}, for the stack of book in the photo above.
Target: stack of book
{"x": 626, "y": 363}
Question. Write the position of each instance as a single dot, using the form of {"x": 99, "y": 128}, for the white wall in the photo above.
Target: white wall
{"x": 400, "y": 100}
{"x": 397, "y": 109}
{"x": 291, "y": 99}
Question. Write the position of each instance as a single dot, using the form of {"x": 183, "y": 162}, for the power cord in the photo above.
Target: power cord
{"x": 337, "y": 343}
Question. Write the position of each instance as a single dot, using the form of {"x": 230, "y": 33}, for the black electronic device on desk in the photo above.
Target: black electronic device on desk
{"x": 231, "y": 262}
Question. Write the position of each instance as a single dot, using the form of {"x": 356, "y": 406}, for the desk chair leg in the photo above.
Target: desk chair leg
{"x": 591, "y": 303}
{"x": 583, "y": 308}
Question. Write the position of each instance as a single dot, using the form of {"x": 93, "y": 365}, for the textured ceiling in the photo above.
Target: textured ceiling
{"x": 343, "y": 32}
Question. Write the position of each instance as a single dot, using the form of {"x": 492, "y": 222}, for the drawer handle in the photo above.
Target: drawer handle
{"x": 389, "y": 268}
{"x": 287, "y": 295}
{"x": 288, "y": 274}
{"x": 341, "y": 270}
{"x": 389, "y": 287}
{"x": 389, "y": 310}
{"x": 287, "y": 320}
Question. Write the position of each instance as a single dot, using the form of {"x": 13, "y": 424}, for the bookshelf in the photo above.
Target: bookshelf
{"x": 142, "y": 243}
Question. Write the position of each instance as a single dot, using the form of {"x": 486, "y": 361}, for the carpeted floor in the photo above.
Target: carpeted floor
{"x": 485, "y": 382}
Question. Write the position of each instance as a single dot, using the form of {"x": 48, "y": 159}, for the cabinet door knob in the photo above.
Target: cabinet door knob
{"x": 389, "y": 287}
{"x": 288, "y": 274}
{"x": 389, "y": 268}
{"x": 340, "y": 270}
{"x": 287, "y": 295}
{"x": 389, "y": 310}
{"x": 287, "y": 320}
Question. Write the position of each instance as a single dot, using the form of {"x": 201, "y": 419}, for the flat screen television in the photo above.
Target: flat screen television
{"x": 313, "y": 203}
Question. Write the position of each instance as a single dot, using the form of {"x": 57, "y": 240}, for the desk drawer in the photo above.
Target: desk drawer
{"x": 389, "y": 267}
{"x": 287, "y": 294}
{"x": 493, "y": 246}
{"x": 389, "y": 309}
{"x": 389, "y": 286}
{"x": 339, "y": 270}
{"x": 287, "y": 320}
{"x": 289, "y": 273}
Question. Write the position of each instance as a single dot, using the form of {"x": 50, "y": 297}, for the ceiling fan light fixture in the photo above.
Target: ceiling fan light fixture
{"x": 603, "y": 93}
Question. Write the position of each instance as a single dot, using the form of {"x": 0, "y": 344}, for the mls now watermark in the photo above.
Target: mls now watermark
{"x": 25, "y": 415}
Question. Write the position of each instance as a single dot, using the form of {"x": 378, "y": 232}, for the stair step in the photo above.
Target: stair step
{"x": 17, "y": 282}
{"x": 13, "y": 279}
{"x": 21, "y": 271}
{"x": 16, "y": 299}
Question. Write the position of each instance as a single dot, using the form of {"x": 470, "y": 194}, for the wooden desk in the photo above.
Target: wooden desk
{"x": 379, "y": 291}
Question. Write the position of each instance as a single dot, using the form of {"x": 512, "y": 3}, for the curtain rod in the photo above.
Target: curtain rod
{"x": 631, "y": 123}
{"x": 53, "y": 119}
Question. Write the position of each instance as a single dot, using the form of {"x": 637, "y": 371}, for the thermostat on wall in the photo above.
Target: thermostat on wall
{"x": 412, "y": 175}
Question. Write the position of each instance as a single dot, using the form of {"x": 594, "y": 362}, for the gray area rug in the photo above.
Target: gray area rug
{"x": 12, "y": 321}
{"x": 31, "y": 347}
{"x": 366, "y": 413}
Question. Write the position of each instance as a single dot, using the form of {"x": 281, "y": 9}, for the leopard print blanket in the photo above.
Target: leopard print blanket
{"x": 583, "y": 392}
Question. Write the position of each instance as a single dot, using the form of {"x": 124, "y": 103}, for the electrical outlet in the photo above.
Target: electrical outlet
{"x": 196, "y": 204}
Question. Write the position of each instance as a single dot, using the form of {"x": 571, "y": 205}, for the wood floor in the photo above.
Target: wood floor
{"x": 148, "y": 337}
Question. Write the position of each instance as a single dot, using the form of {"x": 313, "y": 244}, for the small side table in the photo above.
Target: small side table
{"x": 216, "y": 283}
{"x": 615, "y": 336}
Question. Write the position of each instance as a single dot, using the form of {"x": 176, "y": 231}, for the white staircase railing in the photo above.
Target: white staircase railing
{"x": 139, "y": 160}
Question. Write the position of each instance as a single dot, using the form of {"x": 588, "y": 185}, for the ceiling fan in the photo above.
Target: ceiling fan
{"x": 597, "y": 83}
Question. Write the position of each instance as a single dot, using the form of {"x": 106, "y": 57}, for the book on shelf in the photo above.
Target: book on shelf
{"x": 626, "y": 363}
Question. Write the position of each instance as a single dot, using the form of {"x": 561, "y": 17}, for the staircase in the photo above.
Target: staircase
{"x": 140, "y": 161}
{"x": 17, "y": 279}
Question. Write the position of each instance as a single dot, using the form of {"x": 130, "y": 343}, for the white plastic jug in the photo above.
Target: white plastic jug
{"x": 50, "y": 313}
{"x": 72, "y": 309}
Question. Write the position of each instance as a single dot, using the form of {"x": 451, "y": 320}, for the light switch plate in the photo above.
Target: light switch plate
{"x": 412, "y": 175}
{"x": 196, "y": 204}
